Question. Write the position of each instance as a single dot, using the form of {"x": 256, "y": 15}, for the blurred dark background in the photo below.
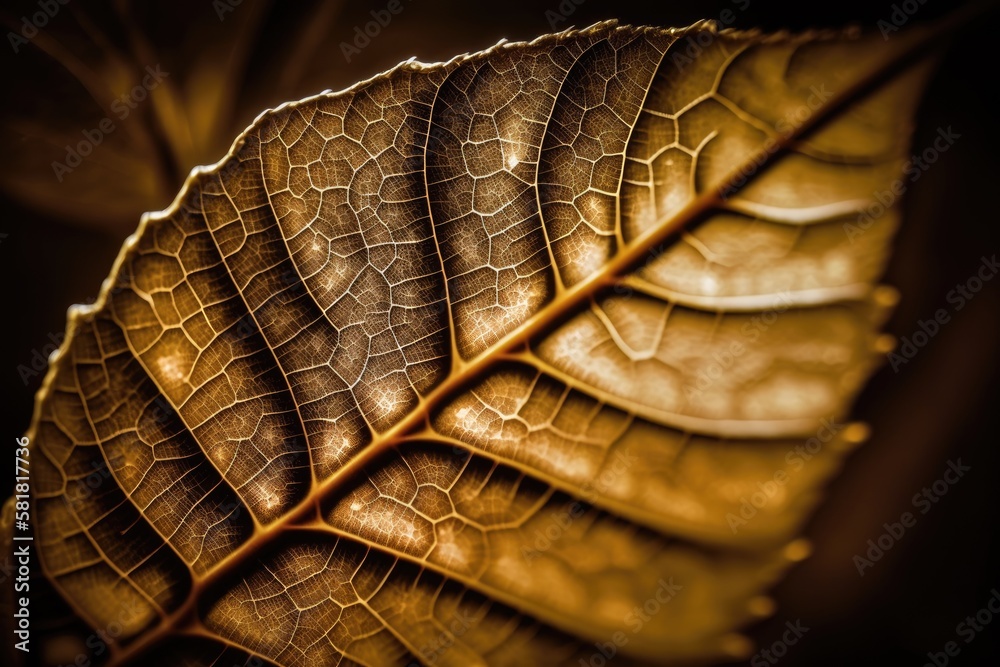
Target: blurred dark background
{"x": 228, "y": 60}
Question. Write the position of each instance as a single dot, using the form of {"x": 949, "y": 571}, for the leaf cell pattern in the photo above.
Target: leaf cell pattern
{"x": 379, "y": 388}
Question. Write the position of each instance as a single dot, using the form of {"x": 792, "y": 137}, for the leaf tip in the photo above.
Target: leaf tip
{"x": 885, "y": 296}
{"x": 761, "y": 606}
{"x": 736, "y": 646}
{"x": 798, "y": 550}
{"x": 884, "y": 344}
{"x": 857, "y": 433}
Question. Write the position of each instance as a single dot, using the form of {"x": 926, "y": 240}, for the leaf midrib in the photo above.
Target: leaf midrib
{"x": 551, "y": 314}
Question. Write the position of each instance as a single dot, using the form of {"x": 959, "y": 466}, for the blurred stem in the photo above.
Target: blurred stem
{"x": 315, "y": 30}
{"x": 96, "y": 86}
{"x": 168, "y": 123}
{"x": 236, "y": 65}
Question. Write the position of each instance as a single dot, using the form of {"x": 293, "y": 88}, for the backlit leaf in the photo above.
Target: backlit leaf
{"x": 516, "y": 359}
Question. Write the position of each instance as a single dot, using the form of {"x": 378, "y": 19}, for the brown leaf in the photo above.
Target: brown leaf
{"x": 507, "y": 360}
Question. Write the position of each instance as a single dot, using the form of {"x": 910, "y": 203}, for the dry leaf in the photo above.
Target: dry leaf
{"x": 495, "y": 361}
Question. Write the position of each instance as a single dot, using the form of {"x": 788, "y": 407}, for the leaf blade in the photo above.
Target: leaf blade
{"x": 173, "y": 365}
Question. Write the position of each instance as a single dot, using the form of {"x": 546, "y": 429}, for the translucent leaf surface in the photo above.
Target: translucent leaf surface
{"x": 484, "y": 362}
